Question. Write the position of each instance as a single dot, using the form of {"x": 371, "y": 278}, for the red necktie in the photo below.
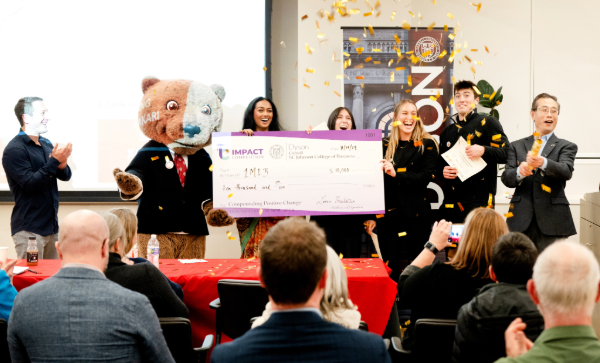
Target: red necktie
{"x": 181, "y": 168}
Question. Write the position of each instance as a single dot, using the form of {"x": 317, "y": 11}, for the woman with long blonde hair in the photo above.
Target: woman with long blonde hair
{"x": 438, "y": 290}
{"x": 410, "y": 155}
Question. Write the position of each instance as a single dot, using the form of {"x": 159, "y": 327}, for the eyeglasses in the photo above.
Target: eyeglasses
{"x": 546, "y": 110}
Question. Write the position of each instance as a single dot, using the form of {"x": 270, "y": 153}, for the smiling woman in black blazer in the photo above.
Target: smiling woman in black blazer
{"x": 409, "y": 162}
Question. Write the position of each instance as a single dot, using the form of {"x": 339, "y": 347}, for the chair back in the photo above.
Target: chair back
{"x": 178, "y": 335}
{"x": 241, "y": 300}
{"x": 434, "y": 340}
{"x": 4, "y": 352}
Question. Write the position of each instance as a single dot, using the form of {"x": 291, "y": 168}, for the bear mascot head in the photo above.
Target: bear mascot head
{"x": 180, "y": 114}
{"x": 171, "y": 176}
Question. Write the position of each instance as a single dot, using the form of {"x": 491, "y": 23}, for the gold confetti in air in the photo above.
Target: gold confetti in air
{"x": 373, "y": 110}
{"x": 376, "y": 62}
{"x": 477, "y": 133}
{"x": 352, "y": 39}
{"x": 508, "y": 215}
{"x": 310, "y": 70}
{"x": 307, "y": 86}
{"x": 154, "y": 91}
{"x": 309, "y": 50}
{"x": 483, "y": 122}
{"x": 474, "y": 50}
{"x": 448, "y": 206}
{"x": 546, "y": 188}
{"x": 497, "y": 137}
{"x": 317, "y": 22}
{"x": 472, "y": 105}
{"x": 405, "y": 25}
{"x": 392, "y": 79}
{"x": 477, "y": 90}
{"x": 156, "y": 158}
{"x": 445, "y": 27}
{"x": 368, "y": 14}
{"x": 210, "y": 168}
{"x": 433, "y": 1}
{"x": 346, "y": 54}
{"x": 433, "y": 98}
{"x": 461, "y": 207}
{"x": 450, "y": 16}
{"x": 409, "y": 80}
{"x": 377, "y": 50}
{"x": 393, "y": 15}
{"x": 360, "y": 77}
{"x": 494, "y": 145}
{"x": 159, "y": 207}
{"x": 401, "y": 234}
{"x": 451, "y": 101}
{"x": 396, "y": 38}
{"x": 400, "y": 68}
{"x": 341, "y": 256}
{"x": 337, "y": 94}
{"x": 360, "y": 49}
{"x": 305, "y": 17}
{"x": 453, "y": 80}
{"x": 407, "y": 91}
{"x": 478, "y": 6}
{"x": 326, "y": 83}
{"x": 419, "y": 15}
{"x": 282, "y": 44}
{"x": 442, "y": 54}
{"x": 431, "y": 26}
{"x": 396, "y": 123}
{"x": 426, "y": 53}
{"x": 371, "y": 31}
{"x": 390, "y": 62}
{"x": 451, "y": 36}
{"x": 260, "y": 212}
{"x": 415, "y": 117}
{"x": 486, "y": 49}
{"x": 321, "y": 35}
{"x": 492, "y": 96}
{"x": 354, "y": 11}
{"x": 418, "y": 143}
{"x": 368, "y": 59}
{"x": 457, "y": 125}
{"x": 469, "y": 138}
{"x": 230, "y": 195}
{"x": 411, "y": 13}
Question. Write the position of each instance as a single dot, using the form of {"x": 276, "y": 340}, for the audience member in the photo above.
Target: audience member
{"x": 482, "y": 322}
{"x": 144, "y": 278}
{"x": 336, "y": 307}
{"x": 78, "y": 315}
{"x": 130, "y": 222}
{"x": 564, "y": 287}
{"x": 438, "y": 290}
{"x": 7, "y": 290}
{"x": 293, "y": 271}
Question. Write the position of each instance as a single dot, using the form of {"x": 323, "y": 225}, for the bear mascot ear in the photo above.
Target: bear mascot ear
{"x": 148, "y": 81}
{"x": 219, "y": 90}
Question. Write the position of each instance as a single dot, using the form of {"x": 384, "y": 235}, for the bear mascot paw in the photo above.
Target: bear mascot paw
{"x": 171, "y": 176}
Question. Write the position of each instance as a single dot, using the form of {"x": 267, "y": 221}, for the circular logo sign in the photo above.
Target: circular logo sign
{"x": 427, "y": 49}
{"x": 276, "y": 151}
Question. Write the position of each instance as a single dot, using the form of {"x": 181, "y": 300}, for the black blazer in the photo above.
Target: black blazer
{"x": 146, "y": 279}
{"x": 407, "y": 191}
{"x": 165, "y": 206}
{"x": 302, "y": 337}
{"x": 552, "y": 211}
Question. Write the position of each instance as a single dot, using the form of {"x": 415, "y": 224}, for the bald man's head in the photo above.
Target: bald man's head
{"x": 82, "y": 234}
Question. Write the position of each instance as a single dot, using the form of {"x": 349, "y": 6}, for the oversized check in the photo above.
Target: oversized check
{"x": 292, "y": 173}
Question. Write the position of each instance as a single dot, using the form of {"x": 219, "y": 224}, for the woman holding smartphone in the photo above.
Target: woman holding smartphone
{"x": 261, "y": 115}
{"x": 409, "y": 162}
{"x": 344, "y": 232}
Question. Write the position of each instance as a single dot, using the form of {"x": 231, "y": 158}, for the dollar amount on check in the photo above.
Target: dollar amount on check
{"x": 292, "y": 173}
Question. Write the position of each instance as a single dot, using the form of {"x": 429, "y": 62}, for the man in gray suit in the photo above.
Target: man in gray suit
{"x": 78, "y": 314}
{"x": 539, "y": 205}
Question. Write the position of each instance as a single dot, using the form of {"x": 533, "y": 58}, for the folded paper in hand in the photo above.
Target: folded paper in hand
{"x": 457, "y": 158}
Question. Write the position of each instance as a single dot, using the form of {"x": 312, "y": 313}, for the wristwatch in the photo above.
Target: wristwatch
{"x": 431, "y": 247}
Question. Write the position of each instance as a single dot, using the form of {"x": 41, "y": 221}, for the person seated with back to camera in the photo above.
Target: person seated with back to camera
{"x": 7, "y": 290}
{"x": 438, "y": 290}
{"x": 130, "y": 223}
{"x": 144, "y": 278}
{"x": 335, "y": 306}
{"x": 481, "y": 323}
{"x": 293, "y": 271}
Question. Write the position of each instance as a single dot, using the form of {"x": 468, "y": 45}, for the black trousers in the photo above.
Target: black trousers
{"x": 540, "y": 239}
{"x": 399, "y": 250}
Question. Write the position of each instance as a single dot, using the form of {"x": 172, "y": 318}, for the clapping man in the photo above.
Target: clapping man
{"x": 539, "y": 205}
{"x": 32, "y": 165}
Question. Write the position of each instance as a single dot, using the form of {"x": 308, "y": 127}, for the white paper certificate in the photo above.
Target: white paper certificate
{"x": 292, "y": 173}
{"x": 457, "y": 158}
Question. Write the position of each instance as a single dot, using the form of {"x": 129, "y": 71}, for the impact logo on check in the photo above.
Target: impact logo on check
{"x": 226, "y": 154}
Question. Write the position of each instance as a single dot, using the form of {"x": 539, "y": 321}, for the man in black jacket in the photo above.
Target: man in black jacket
{"x": 481, "y": 323}
{"x": 541, "y": 178}
{"x": 488, "y": 142}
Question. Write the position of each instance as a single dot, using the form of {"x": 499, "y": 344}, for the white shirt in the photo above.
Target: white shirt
{"x": 185, "y": 157}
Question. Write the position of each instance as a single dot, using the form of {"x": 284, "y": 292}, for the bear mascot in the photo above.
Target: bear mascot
{"x": 171, "y": 176}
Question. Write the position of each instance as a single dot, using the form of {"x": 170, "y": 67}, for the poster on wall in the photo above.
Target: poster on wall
{"x": 387, "y": 65}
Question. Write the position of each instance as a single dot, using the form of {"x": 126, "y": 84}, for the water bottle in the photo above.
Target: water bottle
{"x": 32, "y": 252}
{"x": 153, "y": 250}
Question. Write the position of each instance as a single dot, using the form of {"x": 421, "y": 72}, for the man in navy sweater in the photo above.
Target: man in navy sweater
{"x": 293, "y": 271}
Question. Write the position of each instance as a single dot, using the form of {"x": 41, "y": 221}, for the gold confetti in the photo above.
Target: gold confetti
{"x": 341, "y": 256}
{"x": 154, "y": 158}
{"x": 407, "y": 91}
{"x": 397, "y": 38}
{"x": 450, "y": 16}
{"x": 400, "y": 68}
{"x": 498, "y": 103}
{"x": 326, "y": 83}
{"x": 374, "y": 109}
{"x": 433, "y": 1}
{"x": 494, "y": 145}
{"x": 451, "y": 101}
{"x": 308, "y": 49}
{"x": 396, "y": 123}
{"x": 260, "y": 212}
{"x": 536, "y": 134}
{"x": 393, "y": 15}
{"x": 457, "y": 125}
{"x": 472, "y": 105}
{"x": 486, "y": 96}
{"x": 154, "y": 91}
{"x": 469, "y": 138}
{"x": 474, "y": 50}
{"x": 473, "y": 69}
{"x": 503, "y": 144}
{"x": 317, "y": 22}
{"x": 362, "y": 85}
{"x": 483, "y": 122}
{"x": 352, "y": 39}
{"x": 426, "y": 53}
{"x": 379, "y": 216}
{"x": 360, "y": 49}
{"x": 432, "y": 98}
{"x": 210, "y": 168}
{"x": 376, "y": 50}
{"x": 307, "y": 86}
{"x": 477, "y": 90}
{"x": 411, "y": 13}
{"x": 321, "y": 35}
{"x": 431, "y": 26}
{"x": 390, "y": 62}
{"x": 368, "y": 14}
{"x": 405, "y": 25}
{"x": 451, "y": 36}
{"x": 368, "y": 59}
{"x": 445, "y": 27}
{"x": 304, "y": 17}
{"x": 337, "y": 94}
{"x": 497, "y": 137}
{"x": 477, "y": 133}
{"x": 442, "y": 54}
{"x": 392, "y": 79}
{"x": 159, "y": 207}
{"x": 354, "y": 11}
{"x": 346, "y": 54}
{"x": 401, "y": 234}
{"x": 486, "y": 49}
{"x": 371, "y": 31}
{"x": 230, "y": 195}
{"x": 401, "y": 170}
{"x": 418, "y": 143}
{"x": 360, "y": 77}
{"x": 453, "y": 80}
{"x": 310, "y": 70}
{"x": 265, "y": 69}
{"x": 449, "y": 206}
{"x": 419, "y": 15}
{"x": 492, "y": 95}
{"x": 461, "y": 207}
{"x": 409, "y": 80}
{"x": 508, "y": 215}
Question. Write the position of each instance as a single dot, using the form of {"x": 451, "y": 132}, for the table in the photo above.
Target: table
{"x": 369, "y": 286}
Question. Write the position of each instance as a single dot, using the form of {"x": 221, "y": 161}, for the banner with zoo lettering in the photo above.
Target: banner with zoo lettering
{"x": 392, "y": 64}
{"x": 292, "y": 173}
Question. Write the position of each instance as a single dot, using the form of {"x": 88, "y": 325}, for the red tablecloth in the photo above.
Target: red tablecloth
{"x": 369, "y": 285}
